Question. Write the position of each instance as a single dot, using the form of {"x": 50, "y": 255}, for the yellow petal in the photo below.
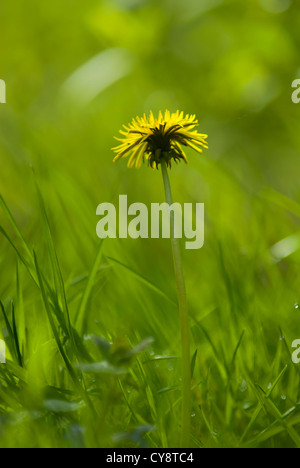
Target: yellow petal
{"x": 139, "y": 158}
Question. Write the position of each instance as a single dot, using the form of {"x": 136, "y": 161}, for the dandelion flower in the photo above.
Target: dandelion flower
{"x": 154, "y": 139}
{"x": 158, "y": 141}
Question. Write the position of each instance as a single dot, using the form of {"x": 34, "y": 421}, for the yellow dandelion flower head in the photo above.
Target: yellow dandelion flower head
{"x": 154, "y": 139}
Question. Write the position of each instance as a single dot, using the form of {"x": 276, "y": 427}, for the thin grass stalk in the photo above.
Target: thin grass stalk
{"x": 183, "y": 314}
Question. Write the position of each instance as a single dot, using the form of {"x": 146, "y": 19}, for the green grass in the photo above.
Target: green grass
{"x": 92, "y": 328}
{"x": 76, "y": 377}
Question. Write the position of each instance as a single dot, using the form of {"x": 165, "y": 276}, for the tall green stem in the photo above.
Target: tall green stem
{"x": 183, "y": 313}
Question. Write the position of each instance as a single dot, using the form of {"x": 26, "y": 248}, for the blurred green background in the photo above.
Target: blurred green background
{"x": 75, "y": 72}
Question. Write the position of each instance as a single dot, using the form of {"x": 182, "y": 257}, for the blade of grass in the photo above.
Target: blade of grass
{"x": 12, "y": 333}
{"x": 69, "y": 367}
{"x": 231, "y": 366}
{"x": 56, "y": 271}
{"x": 193, "y": 363}
{"x": 14, "y": 226}
{"x": 259, "y": 406}
{"x": 81, "y": 312}
{"x": 7, "y": 324}
{"x": 218, "y": 357}
{"x": 274, "y": 429}
{"x": 19, "y": 254}
{"x": 272, "y": 408}
{"x": 16, "y": 338}
{"x": 20, "y": 309}
{"x": 281, "y": 200}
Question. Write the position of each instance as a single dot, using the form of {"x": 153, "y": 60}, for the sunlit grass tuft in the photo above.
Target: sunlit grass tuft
{"x": 86, "y": 369}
